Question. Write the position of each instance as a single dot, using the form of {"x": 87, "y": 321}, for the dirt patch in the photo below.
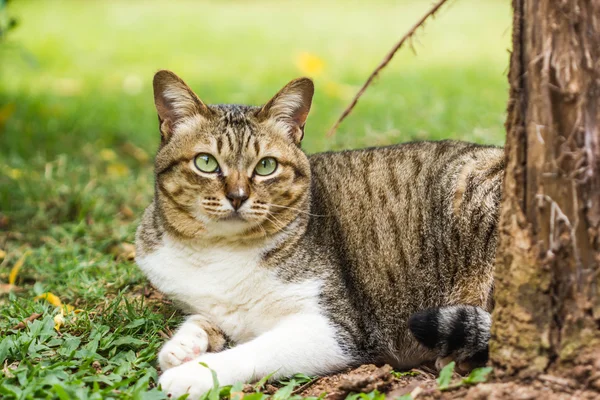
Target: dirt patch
{"x": 421, "y": 384}
{"x": 367, "y": 378}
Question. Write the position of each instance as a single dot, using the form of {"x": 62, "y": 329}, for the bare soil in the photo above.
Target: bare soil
{"x": 423, "y": 386}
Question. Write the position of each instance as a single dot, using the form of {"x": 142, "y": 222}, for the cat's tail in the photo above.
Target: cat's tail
{"x": 457, "y": 333}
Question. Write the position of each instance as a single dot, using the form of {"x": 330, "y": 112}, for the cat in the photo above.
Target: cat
{"x": 312, "y": 264}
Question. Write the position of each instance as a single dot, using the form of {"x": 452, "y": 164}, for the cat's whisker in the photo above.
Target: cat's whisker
{"x": 263, "y": 229}
{"x": 297, "y": 209}
{"x": 274, "y": 222}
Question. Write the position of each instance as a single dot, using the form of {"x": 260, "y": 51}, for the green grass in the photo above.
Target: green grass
{"x": 77, "y": 118}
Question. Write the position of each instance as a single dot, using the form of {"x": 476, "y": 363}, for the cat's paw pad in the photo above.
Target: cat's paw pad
{"x": 441, "y": 362}
{"x": 190, "y": 378}
{"x": 188, "y": 343}
{"x": 462, "y": 366}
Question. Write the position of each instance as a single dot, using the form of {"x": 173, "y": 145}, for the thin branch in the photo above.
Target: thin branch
{"x": 385, "y": 62}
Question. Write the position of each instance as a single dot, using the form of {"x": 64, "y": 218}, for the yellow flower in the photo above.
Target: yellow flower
{"x": 15, "y": 173}
{"x": 108, "y": 155}
{"x": 117, "y": 169}
{"x": 310, "y": 64}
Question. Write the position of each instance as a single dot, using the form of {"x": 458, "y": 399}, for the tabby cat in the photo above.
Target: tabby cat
{"x": 311, "y": 264}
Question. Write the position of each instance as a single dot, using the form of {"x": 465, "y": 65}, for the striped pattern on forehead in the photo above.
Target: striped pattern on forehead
{"x": 236, "y": 132}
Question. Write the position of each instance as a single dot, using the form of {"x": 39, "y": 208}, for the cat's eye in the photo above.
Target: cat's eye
{"x": 206, "y": 163}
{"x": 266, "y": 166}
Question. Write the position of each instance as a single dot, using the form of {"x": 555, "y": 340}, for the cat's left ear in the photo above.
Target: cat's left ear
{"x": 291, "y": 106}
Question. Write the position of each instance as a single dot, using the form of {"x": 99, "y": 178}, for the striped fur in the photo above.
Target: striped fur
{"x": 375, "y": 236}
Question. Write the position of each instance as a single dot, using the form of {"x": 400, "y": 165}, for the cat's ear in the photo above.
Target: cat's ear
{"x": 291, "y": 106}
{"x": 174, "y": 101}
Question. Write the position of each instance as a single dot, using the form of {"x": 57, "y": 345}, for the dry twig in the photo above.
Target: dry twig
{"x": 308, "y": 384}
{"x": 385, "y": 62}
{"x": 23, "y": 324}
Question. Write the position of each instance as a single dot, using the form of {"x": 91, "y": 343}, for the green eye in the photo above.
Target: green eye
{"x": 206, "y": 163}
{"x": 266, "y": 166}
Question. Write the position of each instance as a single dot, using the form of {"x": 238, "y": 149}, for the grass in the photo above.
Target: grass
{"x": 78, "y": 128}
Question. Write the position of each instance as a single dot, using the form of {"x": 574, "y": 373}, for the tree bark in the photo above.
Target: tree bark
{"x": 547, "y": 291}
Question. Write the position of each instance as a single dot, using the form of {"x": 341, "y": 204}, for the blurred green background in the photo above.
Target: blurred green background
{"x": 78, "y": 128}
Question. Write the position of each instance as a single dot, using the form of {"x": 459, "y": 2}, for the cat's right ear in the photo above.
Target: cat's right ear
{"x": 174, "y": 101}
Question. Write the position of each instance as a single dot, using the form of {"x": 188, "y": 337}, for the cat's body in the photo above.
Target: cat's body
{"x": 350, "y": 246}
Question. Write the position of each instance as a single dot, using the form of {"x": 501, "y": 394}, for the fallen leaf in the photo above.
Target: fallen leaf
{"x": 108, "y": 155}
{"x": 59, "y": 320}
{"x": 96, "y": 365}
{"x": 117, "y": 169}
{"x": 50, "y": 298}
{"x": 123, "y": 251}
{"x": 9, "y": 368}
{"x": 12, "y": 277}
{"x": 7, "y": 288}
{"x": 126, "y": 212}
{"x": 6, "y": 111}
{"x": 23, "y": 323}
{"x": 139, "y": 154}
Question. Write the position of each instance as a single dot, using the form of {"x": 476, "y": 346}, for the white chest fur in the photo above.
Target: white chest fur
{"x": 227, "y": 285}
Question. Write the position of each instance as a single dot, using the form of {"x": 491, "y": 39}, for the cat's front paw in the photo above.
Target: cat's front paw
{"x": 189, "y": 342}
{"x": 190, "y": 378}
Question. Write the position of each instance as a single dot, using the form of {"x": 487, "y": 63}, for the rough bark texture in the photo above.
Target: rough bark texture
{"x": 547, "y": 315}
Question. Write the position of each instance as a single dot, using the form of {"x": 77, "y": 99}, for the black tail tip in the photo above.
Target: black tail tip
{"x": 424, "y": 325}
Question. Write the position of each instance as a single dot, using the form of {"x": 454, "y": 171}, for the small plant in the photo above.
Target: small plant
{"x": 400, "y": 374}
{"x": 478, "y": 375}
{"x": 236, "y": 391}
{"x": 446, "y": 376}
{"x": 374, "y": 395}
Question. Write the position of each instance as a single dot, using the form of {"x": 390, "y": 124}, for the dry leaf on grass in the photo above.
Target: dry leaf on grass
{"x": 139, "y": 154}
{"x": 12, "y": 277}
{"x": 59, "y": 319}
{"x": 123, "y": 251}
{"x": 23, "y": 323}
{"x": 126, "y": 212}
{"x": 50, "y": 298}
{"x": 7, "y": 288}
{"x": 117, "y": 170}
{"x": 6, "y": 111}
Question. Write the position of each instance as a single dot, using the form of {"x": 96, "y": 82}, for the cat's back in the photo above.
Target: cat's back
{"x": 386, "y": 184}
{"x": 378, "y": 167}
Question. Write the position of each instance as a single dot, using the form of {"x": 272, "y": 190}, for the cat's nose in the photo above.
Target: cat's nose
{"x": 237, "y": 198}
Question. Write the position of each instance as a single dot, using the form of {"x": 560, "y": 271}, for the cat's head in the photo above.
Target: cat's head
{"x": 230, "y": 171}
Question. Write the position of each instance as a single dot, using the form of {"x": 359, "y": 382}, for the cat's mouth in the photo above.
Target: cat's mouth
{"x": 233, "y": 216}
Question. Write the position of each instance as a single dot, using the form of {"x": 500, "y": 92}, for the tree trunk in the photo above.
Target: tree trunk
{"x": 547, "y": 291}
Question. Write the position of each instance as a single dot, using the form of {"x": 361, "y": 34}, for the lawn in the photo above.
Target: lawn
{"x": 78, "y": 129}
